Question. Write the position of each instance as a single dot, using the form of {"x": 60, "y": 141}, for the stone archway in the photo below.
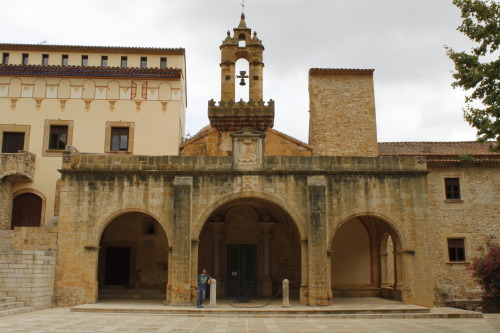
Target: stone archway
{"x": 250, "y": 245}
{"x": 366, "y": 259}
{"x": 133, "y": 258}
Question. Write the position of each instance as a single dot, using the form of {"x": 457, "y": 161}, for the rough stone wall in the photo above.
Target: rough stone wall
{"x": 471, "y": 218}
{"x": 35, "y": 238}
{"x": 216, "y": 143}
{"x": 29, "y": 276}
{"x": 342, "y": 113}
{"x": 5, "y": 203}
{"x": 97, "y": 188}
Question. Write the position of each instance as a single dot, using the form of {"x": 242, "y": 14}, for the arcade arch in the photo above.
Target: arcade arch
{"x": 133, "y": 258}
{"x": 366, "y": 259}
{"x": 250, "y": 245}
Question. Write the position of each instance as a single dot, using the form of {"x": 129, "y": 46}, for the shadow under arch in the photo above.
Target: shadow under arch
{"x": 250, "y": 242}
{"x": 217, "y": 204}
{"x": 400, "y": 235}
{"x": 101, "y": 225}
{"x": 360, "y": 258}
{"x": 133, "y": 258}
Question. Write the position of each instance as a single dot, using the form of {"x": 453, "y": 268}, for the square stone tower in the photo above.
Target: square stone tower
{"x": 342, "y": 112}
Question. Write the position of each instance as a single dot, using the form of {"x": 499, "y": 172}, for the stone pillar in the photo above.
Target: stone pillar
{"x": 317, "y": 244}
{"x": 227, "y": 80}
{"x": 213, "y": 293}
{"x": 398, "y": 269}
{"x": 216, "y": 227}
{"x": 383, "y": 270}
{"x": 286, "y": 293}
{"x": 267, "y": 283}
{"x": 5, "y": 203}
{"x": 194, "y": 267}
{"x": 256, "y": 80}
{"x": 169, "y": 277}
{"x": 181, "y": 241}
{"x": 329, "y": 271}
{"x": 304, "y": 291}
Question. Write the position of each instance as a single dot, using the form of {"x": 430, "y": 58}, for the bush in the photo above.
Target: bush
{"x": 486, "y": 268}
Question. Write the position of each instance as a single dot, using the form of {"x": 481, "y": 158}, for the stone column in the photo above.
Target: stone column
{"x": 383, "y": 270}
{"x": 181, "y": 241}
{"x": 169, "y": 278}
{"x": 304, "y": 291}
{"x": 5, "y": 203}
{"x": 267, "y": 283}
{"x": 317, "y": 251}
{"x": 329, "y": 271}
{"x": 398, "y": 269}
{"x": 286, "y": 293}
{"x": 216, "y": 236}
{"x": 194, "y": 267}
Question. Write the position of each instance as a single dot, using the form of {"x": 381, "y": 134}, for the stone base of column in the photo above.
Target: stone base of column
{"x": 330, "y": 297}
{"x": 304, "y": 295}
{"x": 267, "y": 286}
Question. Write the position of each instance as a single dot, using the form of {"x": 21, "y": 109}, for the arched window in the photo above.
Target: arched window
{"x": 26, "y": 211}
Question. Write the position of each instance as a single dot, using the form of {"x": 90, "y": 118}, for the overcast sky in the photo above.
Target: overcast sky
{"x": 403, "y": 40}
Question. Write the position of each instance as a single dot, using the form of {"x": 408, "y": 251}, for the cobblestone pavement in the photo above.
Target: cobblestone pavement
{"x": 62, "y": 320}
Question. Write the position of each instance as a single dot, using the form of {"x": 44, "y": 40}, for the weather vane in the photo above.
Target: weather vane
{"x": 243, "y": 7}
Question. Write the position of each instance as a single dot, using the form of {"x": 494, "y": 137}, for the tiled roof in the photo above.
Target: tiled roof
{"x": 91, "y": 71}
{"x": 352, "y": 71}
{"x": 97, "y": 49}
{"x": 435, "y": 148}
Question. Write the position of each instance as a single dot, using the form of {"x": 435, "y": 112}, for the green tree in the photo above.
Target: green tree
{"x": 478, "y": 71}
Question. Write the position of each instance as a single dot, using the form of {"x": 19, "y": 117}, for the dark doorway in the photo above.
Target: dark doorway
{"x": 242, "y": 269}
{"x": 117, "y": 266}
{"x": 26, "y": 211}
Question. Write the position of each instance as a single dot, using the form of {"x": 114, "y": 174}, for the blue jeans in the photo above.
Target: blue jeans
{"x": 200, "y": 296}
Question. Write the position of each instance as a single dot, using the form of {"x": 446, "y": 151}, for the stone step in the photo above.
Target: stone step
{"x": 6, "y": 299}
{"x": 15, "y": 311}
{"x": 118, "y": 293}
{"x": 11, "y": 305}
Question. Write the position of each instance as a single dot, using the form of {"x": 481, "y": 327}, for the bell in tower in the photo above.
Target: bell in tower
{"x": 230, "y": 115}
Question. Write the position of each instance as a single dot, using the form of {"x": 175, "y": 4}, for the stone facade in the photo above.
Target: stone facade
{"x": 340, "y": 216}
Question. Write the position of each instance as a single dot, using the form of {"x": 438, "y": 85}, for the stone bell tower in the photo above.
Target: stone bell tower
{"x": 230, "y": 115}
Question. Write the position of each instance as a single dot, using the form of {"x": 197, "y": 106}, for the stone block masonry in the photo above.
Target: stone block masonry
{"x": 28, "y": 275}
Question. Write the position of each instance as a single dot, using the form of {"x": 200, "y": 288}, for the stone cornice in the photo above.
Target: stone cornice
{"x": 349, "y": 71}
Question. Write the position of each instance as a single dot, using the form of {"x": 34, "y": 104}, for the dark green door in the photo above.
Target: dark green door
{"x": 242, "y": 269}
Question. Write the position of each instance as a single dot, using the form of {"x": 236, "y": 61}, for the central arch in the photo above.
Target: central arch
{"x": 250, "y": 244}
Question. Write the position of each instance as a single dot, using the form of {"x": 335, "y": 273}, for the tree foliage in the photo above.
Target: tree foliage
{"x": 486, "y": 268}
{"x": 478, "y": 71}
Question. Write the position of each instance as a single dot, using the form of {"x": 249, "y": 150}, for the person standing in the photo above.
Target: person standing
{"x": 201, "y": 287}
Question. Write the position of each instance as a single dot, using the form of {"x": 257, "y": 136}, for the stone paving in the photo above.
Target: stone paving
{"x": 59, "y": 320}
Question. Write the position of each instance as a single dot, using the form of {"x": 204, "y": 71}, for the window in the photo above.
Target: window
{"x": 12, "y": 142}
{"x": 64, "y": 60}
{"x": 119, "y": 139}
{"x": 123, "y": 62}
{"x": 5, "y": 59}
{"x": 456, "y": 249}
{"x": 452, "y": 188}
{"x": 45, "y": 59}
{"x": 163, "y": 62}
{"x": 144, "y": 62}
{"x": 85, "y": 60}
{"x": 25, "y": 59}
{"x": 58, "y": 137}
{"x": 104, "y": 61}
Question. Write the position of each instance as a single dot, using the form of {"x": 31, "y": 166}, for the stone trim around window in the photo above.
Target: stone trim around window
{"x": 46, "y": 137}
{"x": 26, "y": 129}
{"x": 107, "y": 138}
{"x": 448, "y": 236}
